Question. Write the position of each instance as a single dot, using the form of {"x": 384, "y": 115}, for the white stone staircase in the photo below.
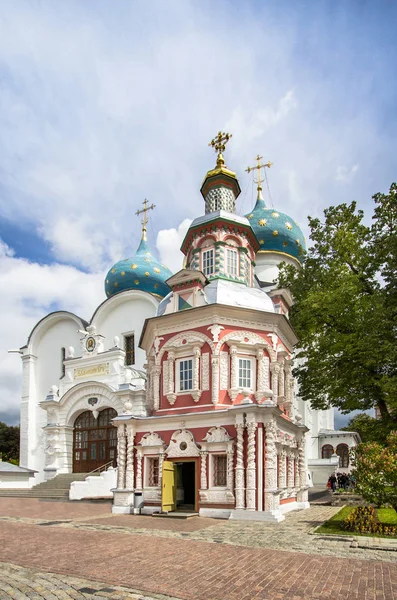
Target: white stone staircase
{"x": 56, "y": 488}
{"x": 96, "y": 485}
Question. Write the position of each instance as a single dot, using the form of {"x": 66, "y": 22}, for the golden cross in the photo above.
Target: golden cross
{"x": 219, "y": 145}
{"x": 145, "y": 219}
{"x": 259, "y": 166}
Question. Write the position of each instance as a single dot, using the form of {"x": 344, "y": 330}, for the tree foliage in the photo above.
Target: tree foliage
{"x": 345, "y": 311}
{"x": 376, "y": 471}
{"x": 369, "y": 428}
{"x": 9, "y": 443}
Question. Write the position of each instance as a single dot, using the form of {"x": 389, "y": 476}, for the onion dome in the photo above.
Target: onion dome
{"x": 276, "y": 231}
{"x": 141, "y": 272}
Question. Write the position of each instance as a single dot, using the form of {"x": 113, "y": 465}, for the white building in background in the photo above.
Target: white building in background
{"x": 185, "y": 381}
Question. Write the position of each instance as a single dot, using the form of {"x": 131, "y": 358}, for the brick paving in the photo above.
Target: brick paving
{"x": 194, "y": 559}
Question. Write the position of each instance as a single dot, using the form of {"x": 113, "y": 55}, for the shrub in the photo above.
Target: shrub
{"x": 363, "y": 519}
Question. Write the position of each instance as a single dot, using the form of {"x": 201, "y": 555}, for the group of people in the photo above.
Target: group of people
{"x": 341, "y": 481}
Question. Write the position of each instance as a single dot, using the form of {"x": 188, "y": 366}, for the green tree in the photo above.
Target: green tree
{"x": 9, "y": 443}
{"x": 369, "y": 428}
{"x": 376, "y": 471}
{"x": 345, "y": 311}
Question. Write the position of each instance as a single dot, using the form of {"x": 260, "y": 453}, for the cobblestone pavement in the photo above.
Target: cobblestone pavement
{"x": 198, "y": 558}
{"x": 28, "y": 584}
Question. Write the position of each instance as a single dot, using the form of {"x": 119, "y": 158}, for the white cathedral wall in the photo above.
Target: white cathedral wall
{"x": 267, "y": 265}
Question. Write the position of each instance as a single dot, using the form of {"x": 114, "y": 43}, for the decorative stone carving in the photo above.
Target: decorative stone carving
{"x": 282, "y": 469}
{"x": 156, "y": 344}
{"x": 217, "y": 434}
{"x": 203, "y": 478}
{"x": 291, "y": 469}
{"x": 215, "y": 379}
{"x": 224, "y": 364}
{"x": 166, "y": 387}
{"x": 233, "y": 391}
{"x": 139, "y": 455}
{"x": 156, "y": 387}
{"x": 215, "y": 331}
{"x": 151, "y": 439}
{"x": 171, "y": 395}
{"x": 240, "y": 463}
{"x": 161, "y": 459}
{"x": 205, "y": 371}
{"x": 121, "y": 456}
{"x": 230, "y": 470}
{"x": 302, "y": 462}
{"x": 251, "y": 465}
{"x": 196, "y": 392}
{"x": 129, "y": 476}
{"x": 275, "y": 369}
{"x": 182, "y": 444}
{"x": 70, "y": 352}
{"x": 116, "y": 342}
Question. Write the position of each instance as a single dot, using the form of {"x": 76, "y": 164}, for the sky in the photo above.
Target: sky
{"x": 104, "y": 104}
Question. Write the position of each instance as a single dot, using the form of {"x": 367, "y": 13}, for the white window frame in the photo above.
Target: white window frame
{"x": 178, "y": 361}
{"x": 252, "y": 361}
{"x": 204, "y": 269}
{"x": 229, "y": 252}
{"x": 147, "y": 459}
{"x": 211, "y": 473}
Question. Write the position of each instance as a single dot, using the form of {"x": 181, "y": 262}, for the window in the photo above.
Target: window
{"x": 327, "y": 451}
{"x": 208, "y": 262}
{"x": 343, "y": 452}
{"x": 129, "y": 348}
{"x": 245, "y": 373}
{"x": 185, "y": 374}
{"x": 231, "y": 262}
{"x": 153, "y": 472}
{"x": 220, "y": 470}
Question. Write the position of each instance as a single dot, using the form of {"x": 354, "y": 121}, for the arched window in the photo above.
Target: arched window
{"x": 94, "y": 440}
{"x": 327, "y": 451}
{"x": 343, "y": 452}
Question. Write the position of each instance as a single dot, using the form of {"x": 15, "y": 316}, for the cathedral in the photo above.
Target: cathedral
{"x": 179, "y": 389}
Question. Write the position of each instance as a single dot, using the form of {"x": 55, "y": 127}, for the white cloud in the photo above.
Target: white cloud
{"x": 345, "y": 174}
{"x": 169, "y": 242}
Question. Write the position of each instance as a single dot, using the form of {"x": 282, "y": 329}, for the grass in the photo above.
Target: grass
{"x": 332, "y": 526}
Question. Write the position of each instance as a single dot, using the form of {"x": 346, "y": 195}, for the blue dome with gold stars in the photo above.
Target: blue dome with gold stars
{"x": 276, "y": 231}
{"x": 141, "y": 272}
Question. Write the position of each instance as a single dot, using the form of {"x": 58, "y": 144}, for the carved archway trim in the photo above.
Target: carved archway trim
{"x": 75, "y": 401}
{"x": 190, "y": 337}
{"x": 239, "y": 336}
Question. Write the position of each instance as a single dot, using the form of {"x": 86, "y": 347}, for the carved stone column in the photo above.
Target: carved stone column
{"x": 283, "y": 469}
{"x": 302, "y": 463}
{"x": 296, "y": 468}
{"x": 260, "y": 387}
{"x": 230, "y": 470}
{"x": 215, "y": 379}
{"x": 275, "y": 370}
{"x": 251, "y": 466}
{"x": 121, "y": 455}
{"x": 240, "y": 464}
{"x": 196, "y": 392}
{"x": 129, "y": 476}
{"x": 290, "y": 470}
{"x": 161, "y": 458}
{"x": 233, "y": 391}
{"x": 271, "y": 501}
{"x": 281, "y": 380}
{"x": 203, "y": 479}
{"x": 139, "y": 456}
{"x": 156, "y": 387}
{"x": 171, "y": 395}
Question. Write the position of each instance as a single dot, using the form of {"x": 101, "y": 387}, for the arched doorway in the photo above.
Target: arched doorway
{"x": 94, "y": 441}
{"x": 343, "y": 452}
{"x": 327, "y": 451}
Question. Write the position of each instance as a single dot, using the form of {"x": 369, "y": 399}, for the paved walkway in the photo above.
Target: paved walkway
{"x": 198, "y": 559}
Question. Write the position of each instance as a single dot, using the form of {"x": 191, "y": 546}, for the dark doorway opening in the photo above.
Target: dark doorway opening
{"x": 186, "y": 485}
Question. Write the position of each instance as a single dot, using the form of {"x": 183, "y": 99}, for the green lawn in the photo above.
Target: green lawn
{"x": 385, "y": 515}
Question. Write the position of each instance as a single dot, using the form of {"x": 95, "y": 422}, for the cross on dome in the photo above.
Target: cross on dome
{"x": 145, "y": 218}
{"x": 258, "y": 167}
{"x": 219, "y": 145}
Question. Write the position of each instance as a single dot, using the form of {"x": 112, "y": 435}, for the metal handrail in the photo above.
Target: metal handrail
{"x": 101, "y": 468}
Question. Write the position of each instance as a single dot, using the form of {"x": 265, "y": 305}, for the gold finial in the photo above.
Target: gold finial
{"x": 219, "y": 144}
{"x": 145, "y": 219}
{"x": 259, "y": 166}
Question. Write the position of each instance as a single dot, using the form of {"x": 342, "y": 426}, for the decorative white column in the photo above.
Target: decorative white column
{"x": 233, "y": 391}
{"x": 171, "y": 395}
{"x": 251, "y": 465}
{"x": 260, "y": 388}
{"x": 275, "y": 369}
{"x": 281, "y": 380}
{"x": 215, "y": 379}
{"x": 230, "y": 470}
{"x": 271, "y": 501}
{"x": 302, "y": 463}
{"x": 240, "y": 462}
{"x": 203, "y": 480}
{"x": 283, "y": 469}
{"x": 290, "y": 470}
{"x": 196, "y": 392}
{"x": 129, "y": 476}
{"x": 161, "y": 458}
{"x": 121, "y": 452}
{"x": 139, "y": 456}
{"x": 156, "y": 387}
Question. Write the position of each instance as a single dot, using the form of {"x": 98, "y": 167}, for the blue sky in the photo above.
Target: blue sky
{"x": 103, "y": 104}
